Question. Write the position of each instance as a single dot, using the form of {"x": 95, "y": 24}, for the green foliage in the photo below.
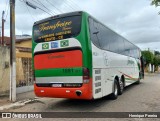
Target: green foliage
{"x": 157, "y": 60}
{"x": 148, "y": 57}
{"x": 157, "y": 53}
{"x": 155, "y": 2}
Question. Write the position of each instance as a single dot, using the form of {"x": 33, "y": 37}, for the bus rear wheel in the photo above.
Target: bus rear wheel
{"x": 121, "y": 87}
{"x": 114, "y": 95}
{"x": 138, "y": 81}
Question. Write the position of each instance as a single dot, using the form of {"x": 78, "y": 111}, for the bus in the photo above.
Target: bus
{"x": 75, "y": 56}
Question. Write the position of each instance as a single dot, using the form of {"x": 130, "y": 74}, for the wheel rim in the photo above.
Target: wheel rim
{"x": 116, "y": 89}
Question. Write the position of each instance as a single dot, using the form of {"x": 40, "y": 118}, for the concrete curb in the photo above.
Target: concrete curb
{"x": 17, "y": 104}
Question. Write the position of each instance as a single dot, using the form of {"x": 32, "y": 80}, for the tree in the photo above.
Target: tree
{"x": 157, "y": 53}
{"x": 156, "y": 62}
{"x": 155, "y": 2}
{"x": 148, "y": 57}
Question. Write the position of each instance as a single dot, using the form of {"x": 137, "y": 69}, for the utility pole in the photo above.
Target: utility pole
{"x": 12, "y": 53}
{"x": 3, "y": 28}
{"x": 0, "y": 35}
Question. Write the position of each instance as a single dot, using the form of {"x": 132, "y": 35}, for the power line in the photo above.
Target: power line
{"x": 73, "y": 4}
{"x": 39, "y": 8}
{"x": 40, "y": 3}
{"x": 54, "y": 6}
{"x": 29, "y": 11}
{"x": 7, "y": 1}
{"x": 68, "y": 7}
{"x": 72, "y": 1}
{"x": 44, "y": 11}
{"x": 66, "y": 3}
{"x": 7, "y": 11}
{"x": 56, "y": 2}
{"x": 20, "y": 4}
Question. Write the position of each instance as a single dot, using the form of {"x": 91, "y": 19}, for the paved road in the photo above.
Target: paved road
{"x": 144, "y": 97}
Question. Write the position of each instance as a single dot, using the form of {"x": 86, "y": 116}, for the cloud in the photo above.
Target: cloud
{"x": 136, "y": 20}
{"x": 151, "y": 46}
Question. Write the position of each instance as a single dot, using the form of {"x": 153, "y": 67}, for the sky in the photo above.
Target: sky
{"x": 136, "y": 20}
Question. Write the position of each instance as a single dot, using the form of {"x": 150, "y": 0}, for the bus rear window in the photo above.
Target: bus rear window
{"x": 57, "y": 29}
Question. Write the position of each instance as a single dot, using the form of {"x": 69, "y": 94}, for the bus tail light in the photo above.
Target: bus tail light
{"x": 85, "y": 75}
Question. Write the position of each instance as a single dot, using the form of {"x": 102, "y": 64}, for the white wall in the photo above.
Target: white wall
{"x": 4, "y": 70}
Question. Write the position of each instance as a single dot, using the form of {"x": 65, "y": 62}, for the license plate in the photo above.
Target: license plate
{"x": 56, "y": 85}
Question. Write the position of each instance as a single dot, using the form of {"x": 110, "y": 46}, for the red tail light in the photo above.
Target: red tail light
{"x": 86, "y": 75}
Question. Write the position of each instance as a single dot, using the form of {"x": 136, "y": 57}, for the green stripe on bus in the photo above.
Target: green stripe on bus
{"x": 59, "y": 72}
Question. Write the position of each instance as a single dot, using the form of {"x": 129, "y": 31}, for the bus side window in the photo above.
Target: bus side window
{"x": 105, "y": 37}
{"x": 94, "y": 32}
{"x": 120, "y": 43}
{"x": 127, "y": 48}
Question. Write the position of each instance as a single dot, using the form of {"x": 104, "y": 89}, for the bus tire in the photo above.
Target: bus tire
{"x": 138, "y": 81}
{"x": 114, "y": 95}
{"x": 121, "y": 86}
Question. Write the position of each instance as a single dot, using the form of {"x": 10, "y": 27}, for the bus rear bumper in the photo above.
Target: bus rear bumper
{"x": 84, "y": 92}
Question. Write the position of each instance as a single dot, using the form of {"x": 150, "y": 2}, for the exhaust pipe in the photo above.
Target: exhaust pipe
{"x": 78, "y": 92}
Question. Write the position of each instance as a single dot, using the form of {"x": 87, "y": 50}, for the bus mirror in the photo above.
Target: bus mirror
{"x": 96, "y": 32}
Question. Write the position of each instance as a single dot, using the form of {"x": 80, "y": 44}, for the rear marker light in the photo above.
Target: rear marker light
{"x": 67, "y": 91}
{"x": 86, "y": 81}
{"x": 86, "y": 75}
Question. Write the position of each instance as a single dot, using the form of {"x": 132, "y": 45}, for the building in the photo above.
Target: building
{"x": 24, "y": 75}
{"x": 24, "y": 63}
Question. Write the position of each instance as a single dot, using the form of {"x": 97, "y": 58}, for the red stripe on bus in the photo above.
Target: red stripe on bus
{"x": 128, "y": 76}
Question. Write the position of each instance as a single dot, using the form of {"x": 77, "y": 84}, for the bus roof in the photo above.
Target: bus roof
{"x": 77, "y": 13}
{"x": 59, "y": 16}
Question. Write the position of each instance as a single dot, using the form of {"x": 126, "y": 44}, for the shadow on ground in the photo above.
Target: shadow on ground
{"x": 85, "y": 105}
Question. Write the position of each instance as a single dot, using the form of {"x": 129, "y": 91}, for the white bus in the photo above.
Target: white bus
{"x": 76, "y": 56}
{"x": 116, "y": 61}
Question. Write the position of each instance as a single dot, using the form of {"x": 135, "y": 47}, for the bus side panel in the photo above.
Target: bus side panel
{"x": 123, "y": 65}
{"x": 97, "y": 72}
{"x": 101, "y": 85}
{"x": 106, "y": 66}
